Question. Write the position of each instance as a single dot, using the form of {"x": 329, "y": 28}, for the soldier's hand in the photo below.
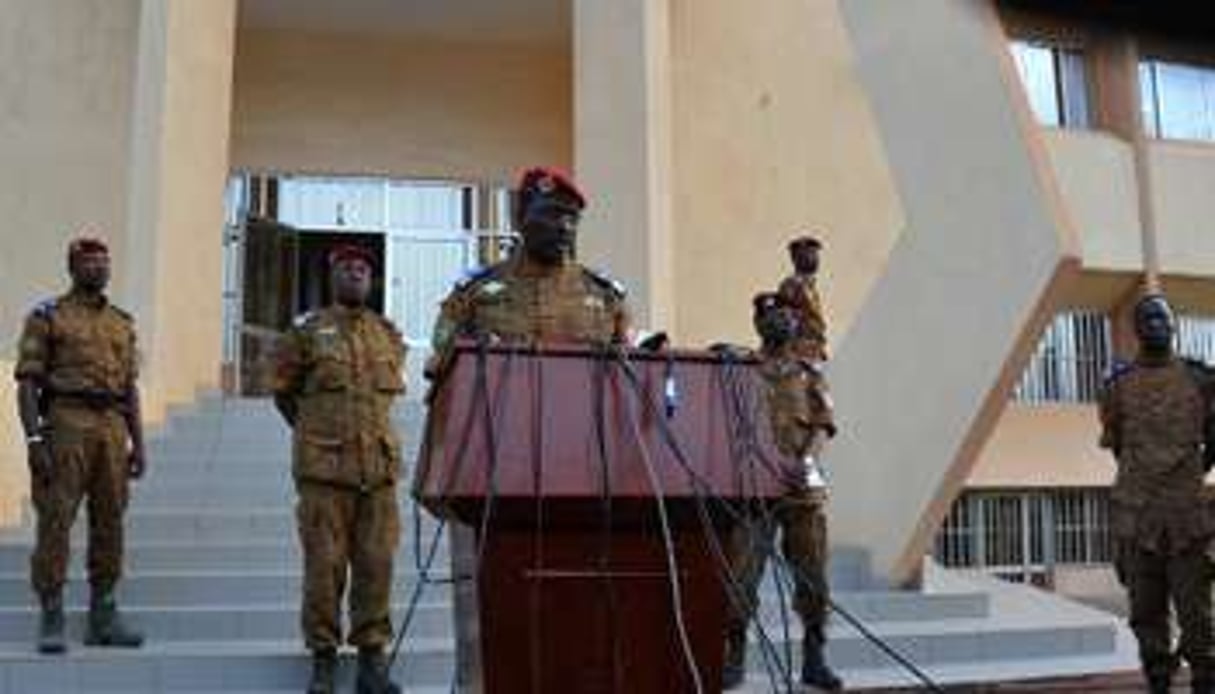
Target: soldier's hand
{"x": 39, "y": 458}
{"x": 136, "y": 463}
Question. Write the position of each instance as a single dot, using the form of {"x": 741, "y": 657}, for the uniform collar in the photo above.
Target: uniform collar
{"x": 83, "y": 298}
{"x": 526, "y": 267}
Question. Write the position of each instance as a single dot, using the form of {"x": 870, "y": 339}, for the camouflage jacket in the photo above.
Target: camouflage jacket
{"x": 520, "y": 301}
{"x": 339, "y": 370}
{"x": 1154, "y": 416}
{"x": 77, "y": 344}
{"x": 801, "y": 293}
{"x": 798, "y": 400}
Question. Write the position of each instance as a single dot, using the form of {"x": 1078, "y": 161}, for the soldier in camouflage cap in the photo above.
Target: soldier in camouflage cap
{"x": 802, "y": 420}
{"x": 337, "y": 374}
{"x": 79, "y": 408}
{"x": 539, "y": 294}
{"x": 1155, "y": 416}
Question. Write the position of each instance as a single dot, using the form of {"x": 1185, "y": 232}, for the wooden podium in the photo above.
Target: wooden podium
{"x": 568, "y": 462}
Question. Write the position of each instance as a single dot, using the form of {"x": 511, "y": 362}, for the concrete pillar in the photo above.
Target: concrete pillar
{"x": 179, "y": 164}
{"x": 622, "y": 147}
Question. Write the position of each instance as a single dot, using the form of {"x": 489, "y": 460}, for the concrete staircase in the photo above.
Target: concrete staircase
{"x": 213, "y": 577}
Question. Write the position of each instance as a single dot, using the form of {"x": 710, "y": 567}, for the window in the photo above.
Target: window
{"x": 1055, "y": 83}
{"x": 1070, "y": 361}
{"x": 1021, "y": 535}
{"x": 1178, "y": 100}
{"x": 1196, "y": 337}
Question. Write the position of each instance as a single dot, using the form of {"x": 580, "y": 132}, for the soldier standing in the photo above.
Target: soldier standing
{"x": 539, "y": 294}
{"x": 337, "y": 374}
{"x": 79, "y": 408}
{"x": 800, "y": 291}
{"x": 802, "y": 420}
{"x": 1154, "y": 414}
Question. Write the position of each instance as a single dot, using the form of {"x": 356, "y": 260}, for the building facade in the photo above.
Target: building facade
{"x": 974, "y": 173}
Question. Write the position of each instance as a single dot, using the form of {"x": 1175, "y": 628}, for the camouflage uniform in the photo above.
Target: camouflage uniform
{"x": 523, "y": 301}
{"x": 800, "y": 292}
{"x": 338, "y": 371}
{"x": 81, "y": 352}
{"x": 798, "y": 405}
{"x": 1153, "y": 415}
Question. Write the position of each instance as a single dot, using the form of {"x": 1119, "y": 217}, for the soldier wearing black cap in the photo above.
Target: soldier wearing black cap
{"x": 337, "y": 373}
{"x": 800, "y": 291}
{"x": 79, "y": 407}
{"x": 539, "y": 294}
{"x": 801, "y": 418}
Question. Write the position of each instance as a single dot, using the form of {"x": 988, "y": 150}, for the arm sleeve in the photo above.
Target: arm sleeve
{"x": 1107, "y": 410}
{"x": 290, "y": 361}
{"x": 33, "y": 348}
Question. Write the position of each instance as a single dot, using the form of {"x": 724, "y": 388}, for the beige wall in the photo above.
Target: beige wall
{"x": 1183, "y": 185}
{"x": 772, "y": 136}
{"x": 1044, "y": 446}
{"x": 1096, "y": 173}
{"x": 399, "y": 106}
{"x": 13, "y": 478}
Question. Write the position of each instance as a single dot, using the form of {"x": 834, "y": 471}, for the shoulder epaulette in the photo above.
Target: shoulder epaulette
{"x": 605, "y": 281}
{"x": 123, "y": 314}
{"x": 45, "y": 308}
{"x": 475, "y": 275}
{"x": 1118, "y": 369}
{"x": 388, "y": 325}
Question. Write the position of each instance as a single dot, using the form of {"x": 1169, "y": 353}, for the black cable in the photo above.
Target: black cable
{"x": 604, "y": 560}
{"x": 734, "y": 592}
{"x": 856, "y": 623}
{"x": 668, "y": 539}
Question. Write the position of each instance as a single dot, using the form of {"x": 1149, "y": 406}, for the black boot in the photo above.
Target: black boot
{"x": 1159, "y": 683}
{"x": 1201, "y": 680}
{"x": 51, "y": 640}
{"x": 734, "y": 671}
{"x": 324, "y": 663}
{"x": 106, "y": 625}
{"x": 814, "y": 669}
{"x": 373, "y": 673}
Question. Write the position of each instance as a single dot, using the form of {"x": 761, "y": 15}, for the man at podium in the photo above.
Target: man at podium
{"x": 539, "y": 294}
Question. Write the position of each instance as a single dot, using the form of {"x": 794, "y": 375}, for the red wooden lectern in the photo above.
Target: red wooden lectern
{"x": 569, "y": 462}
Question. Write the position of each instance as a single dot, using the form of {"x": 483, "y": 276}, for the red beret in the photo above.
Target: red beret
{"x": 82, "y": 245}
{"x": 349, "y": 251}
{"x": 543, "y": 180}
{"x": 805, "y": 241}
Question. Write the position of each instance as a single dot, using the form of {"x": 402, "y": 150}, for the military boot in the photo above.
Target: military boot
{"x": 373, "y": 673}
{"x": 106, "y": 625}
{"x": 734, "y": 671}
{"x": 51, "y": 640}
{"x": 324, "y": 664}
{"x": 1159, "y": 684}
{"x": 1201, "y": 681}
{"x": 814, "y": 669}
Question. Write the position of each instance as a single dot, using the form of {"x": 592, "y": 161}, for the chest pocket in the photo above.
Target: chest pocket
{"x": 332, "y": 371}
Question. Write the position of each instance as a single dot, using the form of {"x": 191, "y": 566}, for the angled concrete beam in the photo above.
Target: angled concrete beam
{"x": 928, "y": 365}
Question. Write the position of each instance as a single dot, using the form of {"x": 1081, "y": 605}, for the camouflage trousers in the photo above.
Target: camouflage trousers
{"x": 1154, "y": 579}
{"x": 89, "y": 461}
{"x": 803, "y": 543}
{"x": 345, "y": 532}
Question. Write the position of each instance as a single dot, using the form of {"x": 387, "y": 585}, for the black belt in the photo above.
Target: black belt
{"x": 93, "y": 400}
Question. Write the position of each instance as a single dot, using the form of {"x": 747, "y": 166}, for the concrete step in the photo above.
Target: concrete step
{"x": 159, "y": 557}
{"x": 201, "y": 589}
{"x": 198, "y": 666}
